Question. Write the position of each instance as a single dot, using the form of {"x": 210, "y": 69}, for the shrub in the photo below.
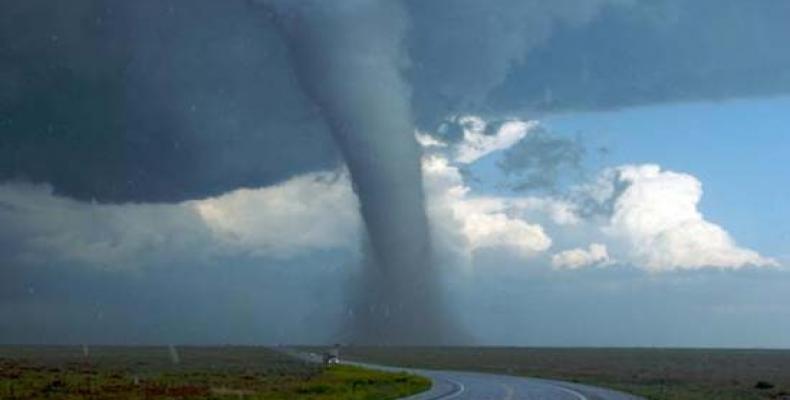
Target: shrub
{"x": 762, "y": 385}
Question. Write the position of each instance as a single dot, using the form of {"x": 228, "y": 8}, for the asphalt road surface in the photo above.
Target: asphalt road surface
{"x": 457, "y": 385}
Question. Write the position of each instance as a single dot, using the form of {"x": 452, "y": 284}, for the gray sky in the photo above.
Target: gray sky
{"x": 217, "y": 172}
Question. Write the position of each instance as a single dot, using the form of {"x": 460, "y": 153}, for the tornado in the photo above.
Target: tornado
{"x": 348, "y": 58}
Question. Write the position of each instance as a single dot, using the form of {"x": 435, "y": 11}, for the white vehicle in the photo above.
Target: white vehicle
{"x": 331, "y": 360}
{"x": 332, "y": 356}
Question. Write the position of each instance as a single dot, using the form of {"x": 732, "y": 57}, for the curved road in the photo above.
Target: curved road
{"x": 457, "y": 385}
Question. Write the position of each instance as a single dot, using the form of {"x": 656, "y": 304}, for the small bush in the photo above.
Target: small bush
{"x": 763, "y": 385}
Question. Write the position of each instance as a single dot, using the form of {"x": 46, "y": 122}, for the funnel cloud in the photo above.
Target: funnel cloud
{"x": 347, "y": 57}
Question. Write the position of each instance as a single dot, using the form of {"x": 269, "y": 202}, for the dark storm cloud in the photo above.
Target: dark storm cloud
{"x": 169, "y": 100}
{"x": 151, "y": 100}
{"x": 655, "y": 51}
{"x": 463, "y": 49}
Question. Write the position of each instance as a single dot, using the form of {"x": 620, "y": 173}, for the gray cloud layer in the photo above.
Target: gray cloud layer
{"x": 169, "y": 100}
{"x": 653, "y": 52}
{"x": 151, "y": 100}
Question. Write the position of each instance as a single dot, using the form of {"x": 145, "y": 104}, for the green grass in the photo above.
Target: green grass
{"x": 656, "y": 374}
{"x": 64, "y": 373}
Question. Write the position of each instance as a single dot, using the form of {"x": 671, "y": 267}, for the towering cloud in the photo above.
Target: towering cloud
{"x": 656, "y": 213}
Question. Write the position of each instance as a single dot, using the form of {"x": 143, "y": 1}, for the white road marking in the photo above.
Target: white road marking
{"x": 571, "y": 392}
{"x": 509, "y": 390}
{"x": 459, "y": 389}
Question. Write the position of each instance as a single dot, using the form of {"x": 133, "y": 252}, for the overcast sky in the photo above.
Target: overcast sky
{"x": 603, "y": 173}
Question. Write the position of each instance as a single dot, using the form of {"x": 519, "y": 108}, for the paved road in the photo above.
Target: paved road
{"x": 456, "y": 385}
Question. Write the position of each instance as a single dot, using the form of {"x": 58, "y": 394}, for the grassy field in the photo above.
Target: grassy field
{"x": 187, "y": 373}
{"x": 653, "y": 373}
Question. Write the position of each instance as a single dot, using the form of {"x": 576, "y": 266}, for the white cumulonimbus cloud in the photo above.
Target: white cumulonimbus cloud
{"x": 477, "y": 222}
{"x": 639, "y": 215}
{"x": 319, "y": 211}
{"x": 655, "y": 214}
{"x": 649, "y": 215}
{"x": 309, "y": 212}
{"x": 596, "y": 254}
{"x": 41, "y": 228}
